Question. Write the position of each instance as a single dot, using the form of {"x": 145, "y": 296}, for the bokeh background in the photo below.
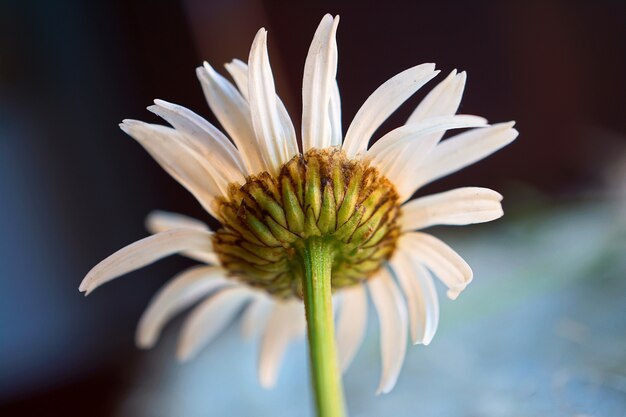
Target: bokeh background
{"x": 540, "y": 332}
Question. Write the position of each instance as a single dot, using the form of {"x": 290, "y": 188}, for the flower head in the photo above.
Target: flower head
{"x": 270, "y": 196}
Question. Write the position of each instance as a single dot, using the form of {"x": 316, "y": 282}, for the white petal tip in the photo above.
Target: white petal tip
{"x": 497, "y": 195}
{"x": 266, "y": 383}
{"x": 267, "y": 386}
{"x": 386, "y": 386}
{"x": 144, "y": 343}
{"x": 424, "y": 340}
{"x": 128, "y": 124}
{"x": 206, "y": 73}
{"x": 453, "y": 294}
{"x": 260, "y": 35}
{"x": 143, "y": 338}
{"x": 183, "y": 355}
{"x": 85, "y": 286}
{"x": 508, "y": 125}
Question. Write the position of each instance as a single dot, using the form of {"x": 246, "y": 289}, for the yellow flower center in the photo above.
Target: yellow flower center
{"x": 267, "y": 221}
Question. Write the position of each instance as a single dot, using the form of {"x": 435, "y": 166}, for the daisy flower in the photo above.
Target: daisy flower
{"x": 298, "y": 223}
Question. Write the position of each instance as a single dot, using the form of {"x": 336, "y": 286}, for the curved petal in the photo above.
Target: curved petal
{"x": 381, "y": 103}
{"x": 233, "y": 112}
{"x": 208, "y": 319}
{"x": 393, "y": 319}
{"x": 440, "y": 258}
{"x": 334, "y": 115}
{"x": 203, "y": 138}
{"x": 286, "y": 323}
{"x": 461, "y": 206}
{"x": 320, "y": 70}
{"x": 255, "y": 316}
{"x": 239, "y": 71}
{"x": 351, "y": 324}
{"x": 406, "y": 147}
{"x": 160, "y": 221}
{"x": 443, "y": 100}
{"x": 180, "y": 292}
{"x": 419, "y": 132}
{"x": 420, "y": 293}
{"x": 462, "y": 150}
{"x": 144, "y": 252}
{"x": 168, "y": 148}
{"x": 275, "y": 135}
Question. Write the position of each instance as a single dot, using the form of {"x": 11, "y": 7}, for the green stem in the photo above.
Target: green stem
{"x": 317, "y": 258}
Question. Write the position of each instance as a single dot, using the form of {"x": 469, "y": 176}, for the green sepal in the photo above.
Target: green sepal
{"x": 313, "y": 187}
{"x": 351, "y": 197}
{"x": 292, "y": 207}
{"x": 328, "y": 214}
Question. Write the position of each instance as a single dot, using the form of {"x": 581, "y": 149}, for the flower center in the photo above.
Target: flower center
{"x": 323, "y": 194}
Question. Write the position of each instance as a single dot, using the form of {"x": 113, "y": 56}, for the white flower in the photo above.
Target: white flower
{"x": 206, "y": 162}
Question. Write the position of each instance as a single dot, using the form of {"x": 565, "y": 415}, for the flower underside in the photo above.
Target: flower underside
{"x": 267, "y": 221}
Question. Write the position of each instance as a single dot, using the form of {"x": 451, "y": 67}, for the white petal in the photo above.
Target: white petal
{"x": 286, "y": 323}
{"x": 320, "y": 70}
{"x": 208, "y": 319}
{"x": 239, "y": 72}
{"x": 461, "y": 206}
{"x": 334, "y": 115}
{"x": 233, "y": 112}
{"x": 144, "y": 252}
{"x": 392, "y": 146}
{"x": 351, "y": 324}
{"x": 203, "y": 137}
{"x": 440, "y": 258}
{"x": 255, "y": 316}
{"x": 401, "y": 153}
{"x": 275, "y": 135}
{"x": 160, "y": 221}
{"x": 462, "y": 150}
{"x": 180, "y": 292}
{"x": 443, "y": 100}
{"x": 185, "y": 165}
{"x": 392, "y": 316}
{"x": 420, "y": 293}
{"x": 381, "y": 103}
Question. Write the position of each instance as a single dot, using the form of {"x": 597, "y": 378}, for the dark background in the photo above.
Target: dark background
{"x": 74, "y": 188}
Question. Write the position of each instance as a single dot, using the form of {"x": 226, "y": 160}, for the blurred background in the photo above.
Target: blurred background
{"x": 540, "y": 332}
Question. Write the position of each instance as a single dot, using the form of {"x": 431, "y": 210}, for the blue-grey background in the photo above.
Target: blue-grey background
{"x": 540, "y": 332}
